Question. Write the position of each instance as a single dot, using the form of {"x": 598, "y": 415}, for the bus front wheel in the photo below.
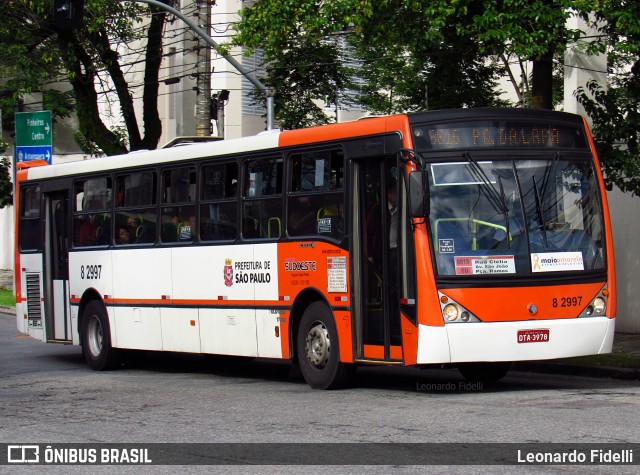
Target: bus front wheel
{"x": 484, "y": 372}
{"x": 95, "y": 335}
{"x": 318, "y": 350}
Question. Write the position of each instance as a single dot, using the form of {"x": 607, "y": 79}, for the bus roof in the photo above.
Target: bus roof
{"x": 263, "y": 141}
{"x": 273, "y": 139}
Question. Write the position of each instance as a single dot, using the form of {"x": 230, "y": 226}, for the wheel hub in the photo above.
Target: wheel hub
{"x": 95, "y": 336}
{"x": 318, "y": 345}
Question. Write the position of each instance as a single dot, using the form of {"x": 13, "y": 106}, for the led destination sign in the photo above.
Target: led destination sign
{"x": 486, "y": 134}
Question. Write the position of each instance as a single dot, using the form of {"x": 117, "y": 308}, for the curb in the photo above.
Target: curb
{"x": 590, "y": 371}
{"x": 7, "y": 309}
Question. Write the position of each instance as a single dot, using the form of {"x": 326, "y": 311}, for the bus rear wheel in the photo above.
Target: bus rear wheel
{"x": 484, "y": 372}
{"x": 318, "y": 350}
{"x": 95, "y": 335}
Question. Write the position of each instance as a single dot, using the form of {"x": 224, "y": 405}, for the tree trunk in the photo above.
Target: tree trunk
{"x": 82, "y": 79}
{"x": 542, "y": 82}
{"x": 150, "y": 114}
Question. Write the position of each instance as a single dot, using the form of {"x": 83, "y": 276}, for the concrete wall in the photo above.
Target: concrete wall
{"x": 6, "y": 237}
{"x": 625, "y": 217}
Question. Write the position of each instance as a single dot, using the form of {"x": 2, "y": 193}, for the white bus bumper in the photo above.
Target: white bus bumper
{"x": 468, "y": 342}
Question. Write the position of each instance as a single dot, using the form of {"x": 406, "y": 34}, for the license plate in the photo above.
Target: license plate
{"x": 533, "y": 336}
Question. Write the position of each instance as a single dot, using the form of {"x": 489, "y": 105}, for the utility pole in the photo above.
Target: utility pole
{"x": 203, "y": 71}
{"x": 268, "y": 92}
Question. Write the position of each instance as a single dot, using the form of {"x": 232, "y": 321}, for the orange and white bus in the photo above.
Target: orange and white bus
{"x": 471, "y": 237}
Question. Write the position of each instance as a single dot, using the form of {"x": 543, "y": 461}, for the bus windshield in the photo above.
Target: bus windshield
{"x": 515, "y": 217}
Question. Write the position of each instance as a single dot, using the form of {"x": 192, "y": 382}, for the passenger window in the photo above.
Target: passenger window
{"x": 30, "y": 225}
{"x": 315, "y": 202}
{"x": 219, "y": 202}
{"x": 92, "y": 212}
{"x": 262, "y": 199}
{"x": 178, "y": 210}
{"x": 136, "y": 221}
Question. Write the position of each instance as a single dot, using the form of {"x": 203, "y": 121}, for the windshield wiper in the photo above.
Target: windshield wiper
{"x": 506, "y": 211}
{"x": 498, "y": 201}
{"x": 540, "y": 213}
{"x": 549, "y": 173}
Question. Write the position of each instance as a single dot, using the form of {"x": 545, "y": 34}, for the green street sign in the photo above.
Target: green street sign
{"x": 34, "y": 128}
{"x": 34, "y": 136}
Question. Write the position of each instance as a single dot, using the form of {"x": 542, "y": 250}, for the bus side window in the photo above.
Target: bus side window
{"x": 136, "y": 206}
{"x": 262, "y": 199}
{"x": 218, "y": 201}
{"x": 92, "y": 203}
{"x": 315, "y": 201}
{"x": 30, "y": 236}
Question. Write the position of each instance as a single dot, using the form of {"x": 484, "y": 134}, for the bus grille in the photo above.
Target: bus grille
{"x": 34, "y": 309}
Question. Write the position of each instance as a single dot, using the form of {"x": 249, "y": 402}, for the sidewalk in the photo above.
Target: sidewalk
{"x": 622, "y": 363}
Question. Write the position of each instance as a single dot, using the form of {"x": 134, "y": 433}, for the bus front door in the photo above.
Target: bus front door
{"x": 56, "y": 267}
{"x": 376, "y": 263}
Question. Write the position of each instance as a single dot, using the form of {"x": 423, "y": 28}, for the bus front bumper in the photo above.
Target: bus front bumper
{"x": 504, "y": 341}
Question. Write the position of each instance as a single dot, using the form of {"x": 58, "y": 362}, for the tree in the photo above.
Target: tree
{"x": 401, "y": 53}
{"x": 530, "y": 30}
{"x": 411, "y": 62}
{"x": 305, "y": 76}
{"x": 35, "y": 53}
{"x": 6, "y": 187}
{"x": 303, "y": 62}
{"x": 615, "y": 110}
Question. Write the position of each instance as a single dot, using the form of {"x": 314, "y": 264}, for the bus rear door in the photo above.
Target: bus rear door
{"x": 56, "y": 267}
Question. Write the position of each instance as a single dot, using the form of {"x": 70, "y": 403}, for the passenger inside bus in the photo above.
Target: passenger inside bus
{"x": 86, "y": 235}
{"x": 123, "y": 236}
{"x": 302, "y": 216}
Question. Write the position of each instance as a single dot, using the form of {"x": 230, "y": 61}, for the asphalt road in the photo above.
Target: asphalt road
{"x": 48, "y": 395}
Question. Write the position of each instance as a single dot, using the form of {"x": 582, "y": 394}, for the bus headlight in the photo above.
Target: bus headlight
{"x": 599, "y": 305}
{"x": 451, "y": 312}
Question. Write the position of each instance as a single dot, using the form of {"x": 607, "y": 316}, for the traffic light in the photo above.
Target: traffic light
{"x": 67, "y": 14}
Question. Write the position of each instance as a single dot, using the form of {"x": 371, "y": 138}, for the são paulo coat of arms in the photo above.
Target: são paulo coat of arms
{"x": 228, "y": 272}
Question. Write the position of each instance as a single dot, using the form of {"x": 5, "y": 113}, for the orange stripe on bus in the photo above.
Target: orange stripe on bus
{"x": 359, "y": 128}
{"x": 611, "y": 261}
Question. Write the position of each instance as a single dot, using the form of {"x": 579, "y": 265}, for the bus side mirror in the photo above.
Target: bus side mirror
{"x": 419, "y": 193}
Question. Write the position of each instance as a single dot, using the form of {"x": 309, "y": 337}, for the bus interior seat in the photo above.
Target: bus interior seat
{"x": 274, "y": 224}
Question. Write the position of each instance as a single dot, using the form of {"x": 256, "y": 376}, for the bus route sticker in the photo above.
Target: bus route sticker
{"x": 337, "y": 274}
{"x": 446, "y": 246}
{"x": 472, "y": 265}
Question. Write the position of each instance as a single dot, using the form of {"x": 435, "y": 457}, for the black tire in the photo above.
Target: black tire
{"x": 318, "y": 350}
{"x": 484, "y": 372}
{"x": 95, "y": 336}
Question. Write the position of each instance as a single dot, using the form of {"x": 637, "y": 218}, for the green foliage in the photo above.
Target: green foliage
{"x": 35, "y": 55}
{"x": 615, "y": 108}
{"x": 409, "y": 60}
{"x": 527, "y": 28}
{"x": 401, "y": 49}
{"x": 6, "y": 186}
{"x": 306, "y": 78}
{"x": 449, "y": 49}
